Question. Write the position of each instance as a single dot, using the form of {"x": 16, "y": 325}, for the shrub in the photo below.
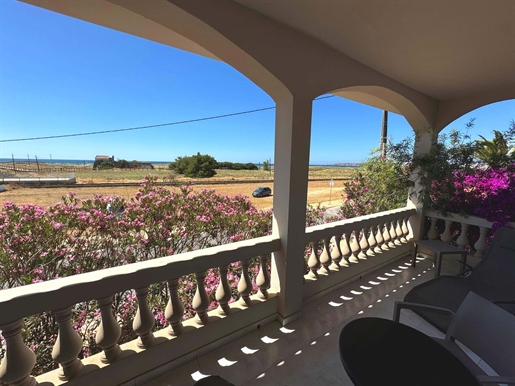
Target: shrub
{"x": 196, "y": 166}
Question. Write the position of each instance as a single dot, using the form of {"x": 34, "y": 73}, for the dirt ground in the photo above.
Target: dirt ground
{"x": 318, "y": 192}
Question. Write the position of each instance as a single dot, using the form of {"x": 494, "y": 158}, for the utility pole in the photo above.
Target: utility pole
{"x": 37, "y": 163}
{"x": 14, "y": 164}
{"x": 384, "y": 134}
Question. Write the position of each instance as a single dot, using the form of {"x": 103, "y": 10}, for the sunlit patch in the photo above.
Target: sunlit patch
{"x": 419, "y": 274}
{"x": 298, "y": 352}
{"x": 424, "y": 271}
{"x": 359, "y": 313}
{"x": 281, "y": 363}
{"x": 401, "y": 267}
{"x": 334, "y": 304}
{"x": 401, "y": 286}
{"x": 286, "y": 330}
{"x": 327, "y": 334}
{"x": 379, "y": 301}
{"x": 370, "y": 306}
{"x": 346, "y": 297}
{"x": 356, "y": 292}
{"x": 408, "y": 263}
{"x": 374, "y": 282}
{"x": 394, "y": 291}
{"x": 365, "y": 288}
{"x": 389, "y": 274}
{"x": 313, "y": 343}
{"x": 407, "y": 282}
{"x": 262, "y": 375}
{"x": 396, "y": 271}
{"x": 268, "y": 340}
{"x": 382, "y": 278}
{"x": 225, "y": 362}
{"x": 197, "y": 376}
{"x": 386, "y": 295}
{"x": 248, "y": 351}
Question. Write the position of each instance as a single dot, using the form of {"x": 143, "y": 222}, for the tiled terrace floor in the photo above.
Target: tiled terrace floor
{"x": 306, "y": 351}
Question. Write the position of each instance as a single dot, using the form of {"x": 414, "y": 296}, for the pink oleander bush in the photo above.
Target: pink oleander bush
{"x": 77, "y": 236}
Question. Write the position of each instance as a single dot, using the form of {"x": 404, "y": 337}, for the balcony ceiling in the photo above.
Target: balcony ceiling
{"x": 444, "y": 49}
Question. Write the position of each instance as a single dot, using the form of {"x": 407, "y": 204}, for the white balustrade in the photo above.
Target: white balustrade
{"x": 108, "y": 332}
{"x": 325, "y": 257}
{"x": 201, "y": 300}
{"x": 464, "y": 230}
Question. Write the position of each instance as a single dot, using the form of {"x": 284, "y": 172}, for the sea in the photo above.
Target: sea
{"x": 90, "y": 162}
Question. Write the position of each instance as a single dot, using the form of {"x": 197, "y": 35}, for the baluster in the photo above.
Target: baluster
{"x": 19, "y": 359}
{"x": 263, "y": 277}
{"x": 393, "y": 235}
{"x": 405, "y": 230}
{"x": 144, "y": 319}
{"x": 386, "y": 238}
{"x": 345, "y": 248}
{"x": 245, "y": 284}
{"x": 325, "y": 257}
{"x": 398, "y": 231}
{"x": 108, "y": 332}
{"x": 372, "y": 243}
{"x": 432, "y": 234}
{"x": 355, "y": 248}
{"x": 67, "y": 347}
{"x": 223, "y": 292}
{"x": 201, "y": 300}
{"x": 363, "y": 244}
{"x": 314, "y": 261}
{"x": 480, "y": 245}
{"x": 174, "y": 310}
{"x": 446, "y": 235}
{"x": 379, "y": 239}
{"x": 336, "y": 253}
{"x": 463, "y": 239}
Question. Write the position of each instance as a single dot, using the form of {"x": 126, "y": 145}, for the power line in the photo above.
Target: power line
{"x": 147, "y": 127}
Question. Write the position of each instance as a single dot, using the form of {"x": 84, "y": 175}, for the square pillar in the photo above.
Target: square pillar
{"x": 424, "y": 140}
{"x": 291, "y": 168}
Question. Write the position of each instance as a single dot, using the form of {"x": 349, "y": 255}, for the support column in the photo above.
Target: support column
{"x": 423, "y": 143}
{"x": 291, "y": 167}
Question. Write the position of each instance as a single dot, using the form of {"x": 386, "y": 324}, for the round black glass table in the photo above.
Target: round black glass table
{"x": 377, "y": 351}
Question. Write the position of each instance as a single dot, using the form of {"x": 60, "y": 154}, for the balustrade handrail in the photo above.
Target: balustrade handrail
{"x": 471, "y": 220}
{"x": 348, "y": 225}
{"x": 19, "y": 302}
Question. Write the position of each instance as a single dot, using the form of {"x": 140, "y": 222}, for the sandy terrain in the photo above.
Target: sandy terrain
{"x": 318, "y": 192}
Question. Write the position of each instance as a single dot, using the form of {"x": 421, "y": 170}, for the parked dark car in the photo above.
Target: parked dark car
{"x": 262, "y": 191}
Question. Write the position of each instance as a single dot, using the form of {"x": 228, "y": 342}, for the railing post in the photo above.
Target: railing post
{"x": 245, "y": 284}
{"x": 325, "y": 257}
{"x": 108, "y": 332}
{"x": 480, "y": 246}
{"x": 174, "y": 310}
{"x": 463, "y": 239}
{"x": 336, "y": 253}
{"x": 67, "y": 346}
{"x": 201, "y": 300}
{"x": 314, "y": 260}
{"x": 144, "y": 319}
{"x": 223, "y": 292}
{"x": 263, "y": 277}
{"x": 432, "y": 234}
{"x": 18, "y": 360}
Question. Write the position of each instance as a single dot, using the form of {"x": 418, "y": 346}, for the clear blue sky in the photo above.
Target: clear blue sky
{"x": 60, "y": 75}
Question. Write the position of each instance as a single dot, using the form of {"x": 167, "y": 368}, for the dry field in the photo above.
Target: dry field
{"x": 318, "y": 192}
